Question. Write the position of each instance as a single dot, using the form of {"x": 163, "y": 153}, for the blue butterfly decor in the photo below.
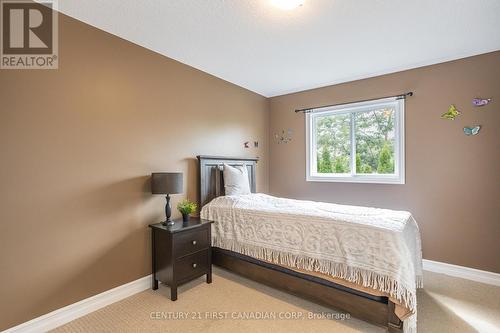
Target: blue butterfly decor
{"x": 472, "y": 130}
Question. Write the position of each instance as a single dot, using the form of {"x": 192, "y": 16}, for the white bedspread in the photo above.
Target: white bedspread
{"x": 376, "y": 248}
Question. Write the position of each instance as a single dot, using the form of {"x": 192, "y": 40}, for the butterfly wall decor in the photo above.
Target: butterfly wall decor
{"x": 481, "y": 101}
{"x": 451, "y": 114}
{"x": 283, "y": 137}
{"x": 472, "y": 130}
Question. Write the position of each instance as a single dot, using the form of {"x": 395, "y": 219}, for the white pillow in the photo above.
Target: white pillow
{"x": 236, "y": 180}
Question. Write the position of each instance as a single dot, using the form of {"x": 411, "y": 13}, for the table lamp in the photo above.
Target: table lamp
{"x": 166, "y": 183}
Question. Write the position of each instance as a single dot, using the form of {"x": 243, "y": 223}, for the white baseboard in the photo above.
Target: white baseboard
{"x": 73, "y": 311}
{"x": 462, "y": 272}
{"x": 76, "y": 310}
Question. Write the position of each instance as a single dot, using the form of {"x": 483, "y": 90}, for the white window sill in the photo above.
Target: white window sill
{"x": 356, "y": 179}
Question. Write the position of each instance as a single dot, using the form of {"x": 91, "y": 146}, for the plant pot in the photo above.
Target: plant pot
{"x": 185, "y": 217}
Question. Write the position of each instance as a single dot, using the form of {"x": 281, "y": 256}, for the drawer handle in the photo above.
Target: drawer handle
{"x": 194, "y": 265}
{"x": 193, "y": 242}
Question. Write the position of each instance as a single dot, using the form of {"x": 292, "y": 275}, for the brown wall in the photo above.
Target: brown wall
{"x": 77, "y": 145}
{"x": 452, "y": 181}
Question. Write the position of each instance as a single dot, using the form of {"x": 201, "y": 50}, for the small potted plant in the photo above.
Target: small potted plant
{"x": 186, "y": 207}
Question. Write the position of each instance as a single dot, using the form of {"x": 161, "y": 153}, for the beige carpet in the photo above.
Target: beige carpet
{"x": 227, "y": 305}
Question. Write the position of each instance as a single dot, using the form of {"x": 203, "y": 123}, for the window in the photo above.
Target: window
{"x": 359, "y": 142}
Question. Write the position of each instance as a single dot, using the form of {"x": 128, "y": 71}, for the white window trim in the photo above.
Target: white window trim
{"x": 399, "y": 136}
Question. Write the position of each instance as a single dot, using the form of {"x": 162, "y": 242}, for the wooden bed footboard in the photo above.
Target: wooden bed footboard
{"x": 374, "y": 309}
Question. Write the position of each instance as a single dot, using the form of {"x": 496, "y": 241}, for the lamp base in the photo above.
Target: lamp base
{"x": 168, "y": 223}
{"x": 168, "y": 211}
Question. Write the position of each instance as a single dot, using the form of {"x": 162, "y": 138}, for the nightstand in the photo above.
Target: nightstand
{"x": 181, "y": 253}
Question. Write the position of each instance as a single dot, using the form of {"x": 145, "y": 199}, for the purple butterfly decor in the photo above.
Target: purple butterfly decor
{"x": 480, "y": 101}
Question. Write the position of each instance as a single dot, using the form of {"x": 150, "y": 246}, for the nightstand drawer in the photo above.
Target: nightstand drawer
{"x": 191, "y": 266}
{"x": 191, "y": 241}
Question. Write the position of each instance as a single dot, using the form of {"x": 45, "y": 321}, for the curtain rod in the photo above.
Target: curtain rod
{"x": 401, "y": 96}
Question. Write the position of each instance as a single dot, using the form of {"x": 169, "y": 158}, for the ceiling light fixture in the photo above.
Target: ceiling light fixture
{"x": 287, "y": 4}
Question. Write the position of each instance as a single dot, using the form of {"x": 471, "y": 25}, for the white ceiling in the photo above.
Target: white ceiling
{"x": 274, "y": 52}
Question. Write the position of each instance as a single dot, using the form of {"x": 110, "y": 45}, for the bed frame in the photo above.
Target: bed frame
{"x": 374, "y": 309}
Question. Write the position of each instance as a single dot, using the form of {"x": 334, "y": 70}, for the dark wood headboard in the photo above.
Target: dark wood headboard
{"x": 210, "y": 177}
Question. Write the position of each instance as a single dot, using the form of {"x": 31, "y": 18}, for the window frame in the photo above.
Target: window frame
{"x": 399, "y": 145}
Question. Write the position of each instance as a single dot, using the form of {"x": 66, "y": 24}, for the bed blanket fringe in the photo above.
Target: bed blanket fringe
{"x": 338, "y": 270}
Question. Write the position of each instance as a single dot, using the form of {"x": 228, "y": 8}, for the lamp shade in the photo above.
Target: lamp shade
{"x": 166, "y": 183}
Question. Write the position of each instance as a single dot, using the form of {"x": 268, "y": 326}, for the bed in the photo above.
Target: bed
{"x": 288, "y": 272}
